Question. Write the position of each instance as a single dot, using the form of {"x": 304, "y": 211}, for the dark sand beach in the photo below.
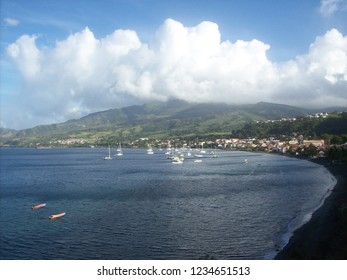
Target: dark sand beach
{"x": 324, "y": 237}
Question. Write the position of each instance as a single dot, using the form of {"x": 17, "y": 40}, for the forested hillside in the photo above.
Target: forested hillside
{"x": 332, "y": 128}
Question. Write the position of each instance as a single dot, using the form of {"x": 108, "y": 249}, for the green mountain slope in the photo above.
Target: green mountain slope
{"x": 157, "y": 120}
{"x": 310, "y": 127}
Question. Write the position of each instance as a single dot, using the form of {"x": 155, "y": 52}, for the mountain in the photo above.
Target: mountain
{"x": 174, "y": 118}
{"x": 6, "y": 132}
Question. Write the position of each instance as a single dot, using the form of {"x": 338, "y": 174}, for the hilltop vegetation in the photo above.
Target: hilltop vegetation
{"x": 332, "y": 128}
{"x": 160, "y": 121}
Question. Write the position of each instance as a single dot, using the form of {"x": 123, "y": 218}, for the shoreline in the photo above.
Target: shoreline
{"x": 324, "y": 236}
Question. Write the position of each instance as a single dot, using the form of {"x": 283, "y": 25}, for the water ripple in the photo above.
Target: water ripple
{"x": 143, "y": 207}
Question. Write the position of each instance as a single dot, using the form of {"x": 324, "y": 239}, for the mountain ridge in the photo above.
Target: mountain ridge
{"x": 161, "y": 119}
{"x": 174, "y": 109}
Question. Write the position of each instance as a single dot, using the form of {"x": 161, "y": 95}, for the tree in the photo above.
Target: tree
{"x": 336, "y": 139}
{"x": 311, "y": 150}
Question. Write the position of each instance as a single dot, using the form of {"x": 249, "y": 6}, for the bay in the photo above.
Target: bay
{"x": 141, "y": 206}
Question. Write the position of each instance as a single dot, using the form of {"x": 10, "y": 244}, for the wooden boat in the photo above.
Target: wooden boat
{"x": 38, "y": 206}
{"x": 56, "y": 216}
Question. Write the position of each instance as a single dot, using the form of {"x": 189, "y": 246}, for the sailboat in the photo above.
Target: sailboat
{"x": 150, "y": 151}
{"x": 199, "y": 152}
{"x": 214, "y": 154}
{"x": 109, "y": 154}
{"x": 177, "y": 160}
{"x": 202, "y": 151}
{"x": 119, "y": 154}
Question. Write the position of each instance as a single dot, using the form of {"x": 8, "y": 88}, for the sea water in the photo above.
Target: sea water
{"x": 237, "y": 206}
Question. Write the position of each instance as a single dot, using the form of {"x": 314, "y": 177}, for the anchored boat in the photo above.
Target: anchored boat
{"x": 38, "y": 206}
{"x": 56, "y": 216}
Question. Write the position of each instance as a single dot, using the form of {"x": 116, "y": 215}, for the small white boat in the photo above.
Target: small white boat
{"x": 109, "y": 154}
{"x": 56, "y": 216}
{"x": 119, "y": 150}
{"x": 198, "y": 160}
{"x": 202, "y": 151}
{"x": 38, "y": 206}
{"x": 150, "y": 151}
{"x": 198, "y": 156}
{"x": 177, "y": 160}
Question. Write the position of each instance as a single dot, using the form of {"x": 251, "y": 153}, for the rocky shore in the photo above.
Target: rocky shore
{"x": 324, "y": 237}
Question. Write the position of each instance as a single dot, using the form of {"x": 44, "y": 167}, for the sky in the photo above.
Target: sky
{"x": 64, "y": 59}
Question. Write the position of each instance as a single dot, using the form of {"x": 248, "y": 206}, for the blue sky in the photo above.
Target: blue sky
{"x": 288, "y": 26}
{"x": 275, "y": 35}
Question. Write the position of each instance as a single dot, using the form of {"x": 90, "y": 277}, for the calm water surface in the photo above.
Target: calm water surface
{"x": 142, "y": 206}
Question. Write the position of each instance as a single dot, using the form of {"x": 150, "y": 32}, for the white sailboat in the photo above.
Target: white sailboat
{"x": 214, "y": 154}
{"x": 120, "y": 153}
{"x": 109, "y": 154}
{"x": 199, "y": 152}
{"x": 150, "y": 151}
{"x": 198, "y": 155}
{"x": 168, "y": 149}
{"x": 177, "y": 160}
{"x": 202, "y": 151}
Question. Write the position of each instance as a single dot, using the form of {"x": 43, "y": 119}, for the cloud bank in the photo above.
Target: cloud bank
{"x": 83, "y": 74}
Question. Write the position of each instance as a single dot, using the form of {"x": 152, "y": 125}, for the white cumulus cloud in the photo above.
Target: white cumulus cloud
{"x": 83, "y": 74}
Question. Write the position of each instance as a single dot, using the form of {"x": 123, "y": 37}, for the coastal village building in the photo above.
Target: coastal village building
{"x": 316, "y": 143}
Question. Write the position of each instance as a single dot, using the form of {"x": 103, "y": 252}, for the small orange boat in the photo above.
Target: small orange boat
{"x": 38, "y": 206}
{"x": 56, "y": 216}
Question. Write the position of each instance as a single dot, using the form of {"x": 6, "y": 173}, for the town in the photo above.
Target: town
{"x": 299, "y": 136}
{"x": 292, "y": 143}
